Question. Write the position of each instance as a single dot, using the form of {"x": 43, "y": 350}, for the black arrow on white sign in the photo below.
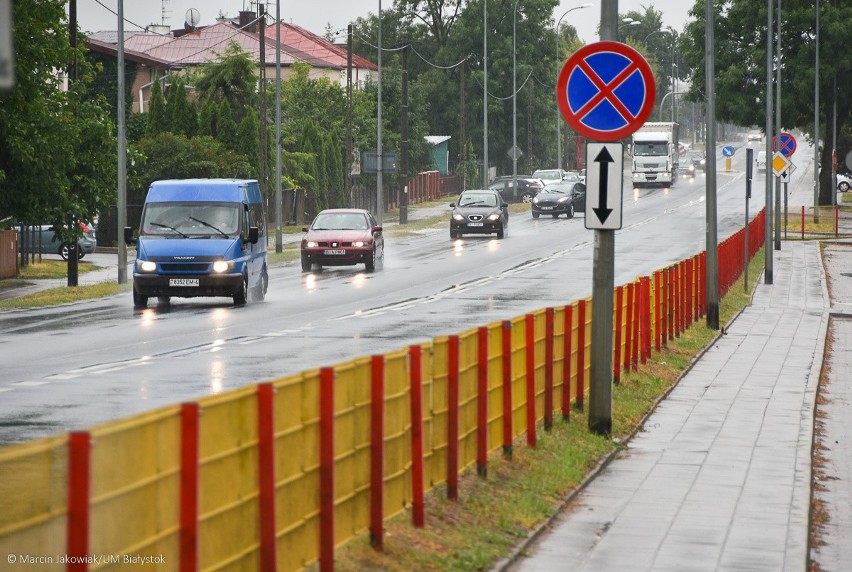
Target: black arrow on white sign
{"x": 602, "y": 212}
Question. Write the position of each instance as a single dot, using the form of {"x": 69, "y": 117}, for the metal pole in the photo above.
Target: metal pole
{"x": 777, "y": 130}
{"x": 712, "y": 279}
{"x": 485, "y": 94}
{"x": 514, "y": 102}
{"x": 816, "y": 122}
{"x": 767, "y": 239}
{"x": 380, "y": 166}
{"x": 279, "y": 239}
{"x": 749, "y": 163}
{"x": 403, "y": 164}
{"x": 122, "y": 153}
{"x": 603, "y": 280}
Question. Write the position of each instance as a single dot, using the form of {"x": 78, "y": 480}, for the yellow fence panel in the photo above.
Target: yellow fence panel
{"x": 34, "y": 495}
{"x": 352, "y": 389}
{"x": 468, "y": 376}
{"x": 436, "y": 472}
{"x": 495, "y": 385}
{"x": 397, "y": 489}
{"x": 297, "y": 470}
{"x": 538, "y": 349}
{"x": 519, "y": 376}
{"x": 228, "y": 480}
{"x": 135, "y": 470}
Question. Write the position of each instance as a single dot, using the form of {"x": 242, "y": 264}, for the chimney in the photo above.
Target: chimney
{"x": 245, "y": 18}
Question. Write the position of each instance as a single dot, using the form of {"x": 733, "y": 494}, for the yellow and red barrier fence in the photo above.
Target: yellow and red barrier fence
{"x": 277, "y": 475}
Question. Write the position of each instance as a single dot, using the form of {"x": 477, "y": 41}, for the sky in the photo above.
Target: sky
{"x": 314, "y": 15}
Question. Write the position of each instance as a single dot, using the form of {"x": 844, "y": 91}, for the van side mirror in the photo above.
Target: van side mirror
{"x": 253, "y": 235}
{"x": 128, "y": 236}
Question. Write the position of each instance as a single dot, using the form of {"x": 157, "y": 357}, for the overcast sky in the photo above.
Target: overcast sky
{"x": 96, "y": 15}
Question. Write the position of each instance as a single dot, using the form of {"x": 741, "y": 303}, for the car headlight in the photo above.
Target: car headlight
{"x": 147, "y": 266}
{"x": 563, "y": 199}
{"x": 494, "y": 216}
{"x": 361, "y": 243}
{"x": 458, "y": 216}
{"x": 311, "y": 244}
{"x": 222, "y": 266}
{"x": 535, "y": 200}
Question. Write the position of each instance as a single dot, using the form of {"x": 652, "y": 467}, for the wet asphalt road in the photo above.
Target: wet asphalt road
{"x": 79, "y": 365}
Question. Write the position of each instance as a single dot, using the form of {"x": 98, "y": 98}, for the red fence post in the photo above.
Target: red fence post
{"x": 634, "y": 352}
{"x": 657, "y": 332}
{"x": 416, "y": 384}
{"x": 581, "y": 354}
{"x": 377, "y": 452}
{"x": 690, "y": 284}
{"x": 482, "y": 402}
{"x": 507, "y": 388}
{"x": 566, "y": 362}
{"x": 189, "y": 487}
{"x": 326, "y": 458}
{"x": 548, "y": 370}
{"x": 453, "y": 420}
{"x": 266, "y": 475}
{"x": 530, "y": 378}
{"x": 645, "y": 283}
{"x": 616, "y": 358}
{"x": 77, "y": 524}
{"x": 628, "y": 330}
{"x": 664, "y": 307}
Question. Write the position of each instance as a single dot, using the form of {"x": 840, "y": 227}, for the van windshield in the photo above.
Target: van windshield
{"x": 191, "y": 220}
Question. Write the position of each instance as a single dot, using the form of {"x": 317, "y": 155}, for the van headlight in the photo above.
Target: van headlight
{"x": 146, "y": 266}
{"x": 221, "y": 266}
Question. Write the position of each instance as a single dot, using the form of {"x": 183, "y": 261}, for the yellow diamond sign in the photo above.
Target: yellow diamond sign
{"x": 780, "y": 164}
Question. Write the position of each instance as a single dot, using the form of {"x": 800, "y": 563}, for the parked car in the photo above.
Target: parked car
{"x": 560, "y": 198}
{"x": 582, "y": 175}
{"x": 479, "y": 212}
{"x": 843, "y": 182}
{"x": 44, "y": 239}
{"x": 754, "y": 135}
{"x": 526, "y": 190}
{"x": 343, "y": 237}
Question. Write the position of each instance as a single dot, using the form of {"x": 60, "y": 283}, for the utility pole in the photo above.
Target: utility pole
{"x": 777, "y": 130}
{"x": 121, "y": 206}
{"x": 380, "y": 205}
{"x": 767, "y": 238}
{"x": 712, "y": 275}
{"x": 348, "y": 161}
{"x": 403, "y": 199}
{"x": 279, "y": 239}
{"x": 603, "y": 284}
{"x": 485, "y": 94}
{"x": 73, "y": 266}
{"x": 816, "y": 122}
{"x": 264, "y": 132}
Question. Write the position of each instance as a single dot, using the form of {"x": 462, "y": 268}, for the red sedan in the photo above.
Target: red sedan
{"x": 343, "y": 237}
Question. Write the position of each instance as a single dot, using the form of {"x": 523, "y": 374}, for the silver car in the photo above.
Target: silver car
{"x": 43, "y": 239}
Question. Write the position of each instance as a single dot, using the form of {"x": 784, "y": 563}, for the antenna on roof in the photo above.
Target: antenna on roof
{"x": 164, "y": 12}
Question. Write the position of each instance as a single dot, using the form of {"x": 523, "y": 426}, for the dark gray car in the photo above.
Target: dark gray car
{"x": 560, "y": 198}
{"x": 479, "y": 212}
{"x": 43, "y": 239}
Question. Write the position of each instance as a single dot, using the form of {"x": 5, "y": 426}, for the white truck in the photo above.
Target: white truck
{"x": 655, "y": 154}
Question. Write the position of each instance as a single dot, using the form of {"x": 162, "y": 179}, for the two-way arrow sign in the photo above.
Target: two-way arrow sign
{"x": 604, "y": 186}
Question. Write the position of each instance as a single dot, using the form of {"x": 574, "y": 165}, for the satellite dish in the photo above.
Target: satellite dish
{"x": 193, "y": 17}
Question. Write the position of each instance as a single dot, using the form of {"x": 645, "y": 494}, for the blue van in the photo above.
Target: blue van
{"x": 201, "y": 237}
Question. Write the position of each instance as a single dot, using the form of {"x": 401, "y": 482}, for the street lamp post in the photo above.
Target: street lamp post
{"x": 514, "y": 103}
{"x": 558, "y": 118}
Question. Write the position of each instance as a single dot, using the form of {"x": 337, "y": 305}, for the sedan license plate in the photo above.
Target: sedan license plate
{"x": 547, "y": 208}
{"x": 332, "y": 252}
{"x": 475, "y": 224}
{"x": 183, "y": 281}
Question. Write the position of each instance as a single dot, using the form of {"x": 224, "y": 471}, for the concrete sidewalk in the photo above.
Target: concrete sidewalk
{"x": 720, "y": 477}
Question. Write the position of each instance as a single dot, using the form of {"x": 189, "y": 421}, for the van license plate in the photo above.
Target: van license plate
{"x": 332, "y": 252}
{"x": 183, "y": 281}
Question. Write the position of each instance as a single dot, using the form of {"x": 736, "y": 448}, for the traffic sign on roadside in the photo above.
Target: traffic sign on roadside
{"x": 727, "y": 151}
{"x": 604, "y": 186}
{"x": 787, "y": 145}
{"x": 780, "y": 164}
{"x": 606, "y": 91}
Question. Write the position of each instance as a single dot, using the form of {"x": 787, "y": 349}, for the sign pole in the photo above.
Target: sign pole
{"x": 749, "y": 163}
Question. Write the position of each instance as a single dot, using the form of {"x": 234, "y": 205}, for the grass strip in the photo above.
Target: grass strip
{"x": 52, "y": 269}
{"x": 495, "y": 514}
{"x": 64, "y": 295}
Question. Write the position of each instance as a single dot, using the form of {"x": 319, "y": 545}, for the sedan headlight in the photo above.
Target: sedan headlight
{"x": 495, "y": 216}
{"x": 535, "y": 200}
{"x": 147, "y": 266}
{"x": 458, "y": 216}
{"x": 360, "y": 243}
{"x": 311, "y": 244}
{"x": 221, "y": 266}
{"x": 563, "y": 199}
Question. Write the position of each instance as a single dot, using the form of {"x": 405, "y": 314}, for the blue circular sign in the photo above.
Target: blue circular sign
{"x": 606, "y": 91}
{"x": 727, "y": 151}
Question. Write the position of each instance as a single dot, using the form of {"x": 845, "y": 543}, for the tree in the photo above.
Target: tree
{"x": 56, "y": 147}
{"x": 157, "y": 115}
{"x": 226, "y": 127}
{"x": 181, "y": 114}
{"x": 232, "y": 78}
{"x": 334, "y": 157}
{"x": 207, "y": 119}
{"x": 248, "y": 136}
{"x": 740, "y": 41}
